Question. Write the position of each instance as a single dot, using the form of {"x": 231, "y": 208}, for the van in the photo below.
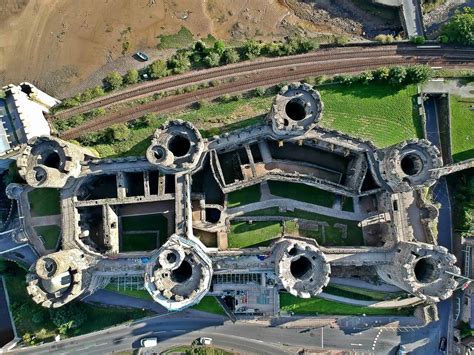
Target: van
{"x": 149, "y": 342}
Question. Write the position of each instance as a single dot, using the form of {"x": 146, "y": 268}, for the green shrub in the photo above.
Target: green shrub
{"x": 113, "y": 80}
{"x": 418, "y": 39}
{"x": 157, "y": 69}
{"x": 131, "y": 77}
{"x": 230, "y": 56}
{"x": 460, "y": 28}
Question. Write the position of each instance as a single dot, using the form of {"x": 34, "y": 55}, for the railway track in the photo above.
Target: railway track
{"x": 247, "y": 68}
{"x": 268, "y": 77}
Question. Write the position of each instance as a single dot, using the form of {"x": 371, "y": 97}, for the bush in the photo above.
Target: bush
{"x": 119, "y": 132}
{"x": 251, "y": 49}
{"x": 219, "y": 47}
{"x": 113, "y": 80}
{"x": 460, "y": 28}
{"x": 179, "y": 63}
{"x": 382, "y": 74}
{"x": 384, "y": 38}
{"x": 147, "y": 119}
{"x": 418, "y": 39}
{"x": 340, "y": 40}
{"x": 67, "y": 317}
{"x": 397, "y": 75}
{"x": 213, "y": 59}
{"x": 419, "y": 73}
{"x": 230, "y": 56}
{"x": 157, "y": 69}
{"x": 131, "y": 77}
{"x": 259, "y": 91}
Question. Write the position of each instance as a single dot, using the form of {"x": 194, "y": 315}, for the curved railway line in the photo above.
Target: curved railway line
{"x": 259, "y": 74}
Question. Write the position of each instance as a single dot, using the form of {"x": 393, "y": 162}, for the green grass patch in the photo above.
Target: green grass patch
{"x": 380, "y": 112}
{"x": 44, "y": 202}
{"x": 462, "y": 132}
{"x": 244, "y": 196}
{"x": 183, "y": 38}
{"x": 139, "y": 242}
{"x": 142, "y": 294}
{"x": 148, "y": 222}
{"x": 311, "y": 306}
{"x": 35, "y": 320}
{"x": 301, "y": 192}
{"x": 213, "y": 118}
{"x": 50, "y": 235}
{"x": 333, "y": 235}
{"x": 361, "y": 293}
{"x": 209, "y": 304}
{"x": 245, "y": 235}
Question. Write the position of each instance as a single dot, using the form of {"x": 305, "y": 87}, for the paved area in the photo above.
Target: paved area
{"x": 363, "y": 284}
{"x": 454, "y": 87}
{"x": 292, "y": 205}
{"x": 413, "y": 17}
{"x": 46, "y": 220}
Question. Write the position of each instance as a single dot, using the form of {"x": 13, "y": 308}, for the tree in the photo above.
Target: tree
{"x": 157, "y": 69}
{"x": 113, "y": 80}
{"x": 230, "y": 56}
{"x": 67, "y": 317}
{"x": 213, "y": 59}
{"x": 120, "y": 132}
{"x": 131, "y": 77}
{"x": 460, "y": 29}
{"x": 252, "y": 49}
{"x": 219, "y": 47}
{"x": 397, "y": 75}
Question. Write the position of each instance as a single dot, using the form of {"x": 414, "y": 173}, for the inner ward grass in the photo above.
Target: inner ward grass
{"x": 462, "y": 131}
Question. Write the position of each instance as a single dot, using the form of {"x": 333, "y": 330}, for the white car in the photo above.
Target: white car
{"x": 205, "y": 341}
{"x": 149, "y": 342}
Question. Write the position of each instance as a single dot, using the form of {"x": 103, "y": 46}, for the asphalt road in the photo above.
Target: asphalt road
{"x": 242, "y": 337}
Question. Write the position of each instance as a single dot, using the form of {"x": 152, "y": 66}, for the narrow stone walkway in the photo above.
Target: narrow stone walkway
{"x": 405, "y": 302}
{"x": 292, "y": 205}
{"x": 46, "y": 220}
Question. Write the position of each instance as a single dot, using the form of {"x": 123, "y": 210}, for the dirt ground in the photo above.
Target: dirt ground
{"x": 67, "y": 45}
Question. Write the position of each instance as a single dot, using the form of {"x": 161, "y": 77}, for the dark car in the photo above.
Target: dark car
{"x": 141, "y": 56}
{"x": 442, "y": 344}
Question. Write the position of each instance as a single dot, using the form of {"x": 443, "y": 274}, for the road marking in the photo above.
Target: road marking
{"x": 356, "y": 344}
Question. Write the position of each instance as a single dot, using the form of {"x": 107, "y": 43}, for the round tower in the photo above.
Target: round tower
{"x": 296, "y": 109}
{"x": 409, "y": 165}
{"x": 179, "y": 274}
{"x": 57, "y": 278}
{"x": 423, "y": 270}
{"x": 176, "y": 147}
{"x": 49, "y": 161}
{"x": 301, "y": 267}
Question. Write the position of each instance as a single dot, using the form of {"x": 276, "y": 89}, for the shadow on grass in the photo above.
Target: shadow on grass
{"x": 467, "y": 154}
{"x": 138, "y": 149}
{"x": 416, "y": 117}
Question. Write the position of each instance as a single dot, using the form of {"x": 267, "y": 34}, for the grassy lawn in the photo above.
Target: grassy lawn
{"x": 44, "y": 202}
{"x": 209, "y": 304}
{"x": 183, "y": 38}
{"x": 333, "y": 235}
{"x": 244, "y": 196}
{"x": 301, "y": 192}
{"x": 361, "y": 293}
{"x": 462, "y": 132}
{"x": 35, "y": 320}
{"x": 50, "y": 235}
{"x": 139, "y": 242}
{"x": 244, "y": 235}
{"x": 143, "y": 294}
{"x": 148, "y": 225}
{"x": 211, "y": 119}
{"x": 380, "y": 112}
{"x": 311, "y": 306}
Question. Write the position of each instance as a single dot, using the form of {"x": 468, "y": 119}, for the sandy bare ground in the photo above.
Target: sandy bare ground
{"x": 67, "y": 45}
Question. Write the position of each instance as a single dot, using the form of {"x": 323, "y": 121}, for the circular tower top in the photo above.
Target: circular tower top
{"x": 176, "y": 147}
{"x": 296, "y": 109}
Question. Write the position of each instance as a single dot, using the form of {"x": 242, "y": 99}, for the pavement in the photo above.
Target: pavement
{"x": 9, "y": 249}
{"x": 413, "y": 17}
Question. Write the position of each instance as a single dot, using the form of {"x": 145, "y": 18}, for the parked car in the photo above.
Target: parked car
{"x": 205, "y": 341}
{"x": 442, "y": 344}
{"x": 142, "y": 56}
{"x": 149, "y": 342}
